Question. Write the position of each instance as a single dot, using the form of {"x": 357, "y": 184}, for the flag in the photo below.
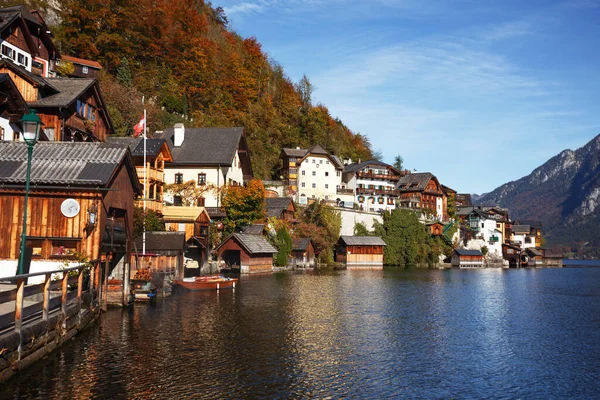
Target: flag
{"x": 139, "y": 127}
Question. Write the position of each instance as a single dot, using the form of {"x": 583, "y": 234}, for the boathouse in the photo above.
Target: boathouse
{"x": 462, "y": 258}
{"x": 164, "y": 253}
{"x": 80, "y": 207}
{"x": 360, "y": 252}
{"x": 246, "y": 252}
{"x": 303, "y": 253}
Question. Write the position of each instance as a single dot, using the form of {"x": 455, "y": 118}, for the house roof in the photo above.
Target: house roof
{"x": 161, "y": 241}
{"x": 315, "y": 150}
{"x": 204, "y": 146}
{"x": 28, "y": 76}
{"x": 465, "y": 252}
{"x": 300, "y": 244}
{"x": 294, "y": 152}
{"x": 69, "y": 90}
{"x": 533, "y": 252}
{"x": 81, "y": 61}
{"x": 277, "y": 205}
{"x": 182, "y": 214}
{"x": 521, "y": 229}
{"x": 136, "y": 145}
{"x": 253, "y": 244}
{"x": 362, "y": 240}
{"x": 359, "y": 166}
{"x": 415, "y": 181}
{"x": 254, "y": 229}
{"x": 64, "y": 163}
{"x": 13, "y": 102}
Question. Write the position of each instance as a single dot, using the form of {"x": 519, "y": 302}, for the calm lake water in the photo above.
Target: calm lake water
{"x": 532, "y": 334}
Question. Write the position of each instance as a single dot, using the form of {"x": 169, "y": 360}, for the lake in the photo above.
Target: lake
{"x": 492, "y": 333}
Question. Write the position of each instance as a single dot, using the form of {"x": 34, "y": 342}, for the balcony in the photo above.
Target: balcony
{"x": 345, "y": 191}
{"x": 151, "y": 204}
{"x": 153, "y": 174}
{"x": 378, "y": 192}
{"x": 370, "y": 175}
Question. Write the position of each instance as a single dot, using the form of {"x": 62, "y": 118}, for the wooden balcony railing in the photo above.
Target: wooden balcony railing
{"x": 370, "y": 175}
{"x": 153, "y": 174}
{"x": 378, "y": 192}
{"x": 151, "y": 204}
{"x": 345, "y": 191}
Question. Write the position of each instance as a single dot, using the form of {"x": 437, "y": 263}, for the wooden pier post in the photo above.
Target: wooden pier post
{"x": 19, "y": 313}
{"x": 46, "y": 303}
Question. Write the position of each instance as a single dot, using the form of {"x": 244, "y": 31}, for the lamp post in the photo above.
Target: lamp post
{"x": 31, "y": 130}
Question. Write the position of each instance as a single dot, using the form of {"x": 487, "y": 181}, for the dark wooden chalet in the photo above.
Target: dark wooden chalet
{"x": 247, "y": 253}
{"x": 26, "y": 40}
{"x": 281, "y": 208}
{"x": 164, "y": 253}
{"x": 303, "y": 253}
{"x": 436, "y": 228}
{"x": 361, "y": 252}
{"x": 462, "y": 258}
{"x": 80, "y": 204}
{"x": 511, "y": 252}
{"x": 83, "y": 68}
{"x": 423, "y": 191}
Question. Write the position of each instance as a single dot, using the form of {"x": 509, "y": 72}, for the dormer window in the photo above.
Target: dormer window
{"x": 84, "y": 69}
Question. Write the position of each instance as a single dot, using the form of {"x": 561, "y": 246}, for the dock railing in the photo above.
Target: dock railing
{"x": 41, "y": 307}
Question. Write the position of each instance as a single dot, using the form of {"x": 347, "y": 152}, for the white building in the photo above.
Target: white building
{"x": 211, "y": 157}
{"x": 372, "y": 184}
{"x": 319, "y": 175}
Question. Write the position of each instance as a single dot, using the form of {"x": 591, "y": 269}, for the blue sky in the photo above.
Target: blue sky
{"x": 477, "y": 92}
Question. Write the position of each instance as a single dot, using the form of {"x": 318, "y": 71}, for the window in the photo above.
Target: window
{"x": 1, "y": 133}
{"x": 303, "y": 184}
{"x": 64, "y": 248}
{"x": 326, "y": 161}
{"x": 303, "y": 172}
{"x": 314, "y": 161}
{"x": 314, "y": 173}
{"x": 201, "y": 179}
{"x": 180, "y": 227}
{"x": 326, "y": 173}
{"x": 482, "y": 225}
{"x": 177, "y": 201}
{"x": 338, "y": 173}
{"x": 80, "y": 108}
{"x": 84, "y": 69}
{"x": 314, "y": 185}
{"x": 201, "y": 201}
{"x": 37, "y": 246}
{"x": 179, "y": 178}
{"x": 49, "y": 133}
{"x": 320, "y": 161}
{"x": 326, "y": 186}
{"x": 21, "y": 58}
{"x": 390, "y": 202}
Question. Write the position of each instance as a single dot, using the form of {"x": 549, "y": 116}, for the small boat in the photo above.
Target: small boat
{"x": 213, "y": 282}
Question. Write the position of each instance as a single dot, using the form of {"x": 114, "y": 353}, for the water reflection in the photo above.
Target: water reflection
{"x": 365, "y": 334}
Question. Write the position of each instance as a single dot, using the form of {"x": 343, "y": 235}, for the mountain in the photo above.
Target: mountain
{"x": 563, "y": 193}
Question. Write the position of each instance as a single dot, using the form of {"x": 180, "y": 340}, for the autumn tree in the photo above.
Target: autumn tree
{"x": 244, "y": 205}
{"x": 189, "y": 191}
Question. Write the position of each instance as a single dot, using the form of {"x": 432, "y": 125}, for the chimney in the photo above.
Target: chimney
{"x": 179, "y": 135}
{"x": 297, "y": 147}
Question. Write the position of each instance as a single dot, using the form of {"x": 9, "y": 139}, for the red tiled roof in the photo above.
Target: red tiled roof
{"x": 75, "y": 60}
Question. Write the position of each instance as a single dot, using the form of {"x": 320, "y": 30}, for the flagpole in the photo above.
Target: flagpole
{"x": 145, "y": 186}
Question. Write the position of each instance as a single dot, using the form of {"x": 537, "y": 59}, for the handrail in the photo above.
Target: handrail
{"x": 57, "y": 271}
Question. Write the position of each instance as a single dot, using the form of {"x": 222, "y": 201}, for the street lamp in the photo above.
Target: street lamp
{"x": 31, "y": 130}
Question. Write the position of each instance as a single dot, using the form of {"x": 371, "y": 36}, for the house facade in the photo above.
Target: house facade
{"x": 212, "y": 158}
{"x": 373, "y": 185}
{"x": 82, "y": 68}
{"x": 462, "y": 258}
{"x": 360, "y": 252}
{"x": 424, "y": 192}
{"x": 247, "y": 253}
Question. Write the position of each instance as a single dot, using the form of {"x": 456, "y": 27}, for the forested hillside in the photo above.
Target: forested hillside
{"x": 182, "y": 56}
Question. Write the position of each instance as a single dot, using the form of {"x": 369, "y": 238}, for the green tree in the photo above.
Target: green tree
{"x": 283, "y": 242}
{"x": 398, "y": 163}
{"x": 360, "y": 229}
{"x": 124, "y": 73}
{"x": 154, "y": 221}
{"x": 322, "y": 223}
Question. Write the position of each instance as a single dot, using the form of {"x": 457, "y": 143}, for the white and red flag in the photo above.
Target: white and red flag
{"x": 139, "y": 127}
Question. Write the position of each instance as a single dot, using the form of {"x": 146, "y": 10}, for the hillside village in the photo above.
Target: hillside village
{"x": 88, "y": 186}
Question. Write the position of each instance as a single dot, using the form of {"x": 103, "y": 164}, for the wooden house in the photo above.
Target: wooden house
{"x": 194, "y": 221}
{"x": 511, "y": 252}
{"x": 12, "y": 108}
{"x": 373, "y": 184}
{"x": 462, "y": 258}
{"x": 533, "y": 258}
{"x": 157, "y": 153}
{"x": 80, "y": 204}
{"x": 280, "y": 207}
{"x": 164, "y": 253}
{"x": 436, "y": 228}
{"x": 26, "y": 40}
{"x": 361, "y": 252}
{"x": 247, "y": 253}
{"x": 303, "y": 253}
{"x": 423, "y": 191}
{"x": 82, "y": 68}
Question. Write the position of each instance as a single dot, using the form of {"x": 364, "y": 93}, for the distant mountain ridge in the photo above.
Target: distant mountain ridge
{"x": 563, "y": 193}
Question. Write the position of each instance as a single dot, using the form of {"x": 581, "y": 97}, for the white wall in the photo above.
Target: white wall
{"x": 325, "y": 178}
{"x": 8, "y": 130}
{"x": 9, "y": 268}
{"x": 351, "y": 217}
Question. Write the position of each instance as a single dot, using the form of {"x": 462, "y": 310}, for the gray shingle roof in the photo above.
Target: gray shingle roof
{"x": 363, "y": 240}
{"x": 276, "y": 205}
{"x": 254, "y": 229}
{"x": 294, "y": 152}
{"x": 359, "y": 166}
{"x": 415, "y": 181}
{"x": 300, "y": 244}
{"x": 521, "y": 229}
{"x": 69, "y": 90}
{"x": 60, "y": 163}
{"x": 253, "y": 244}
{"x": 136, "y": 145}
{"x": 161, "y": 241}
{"x": 19, "y": 70}
{"x": 204, "y": 146}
